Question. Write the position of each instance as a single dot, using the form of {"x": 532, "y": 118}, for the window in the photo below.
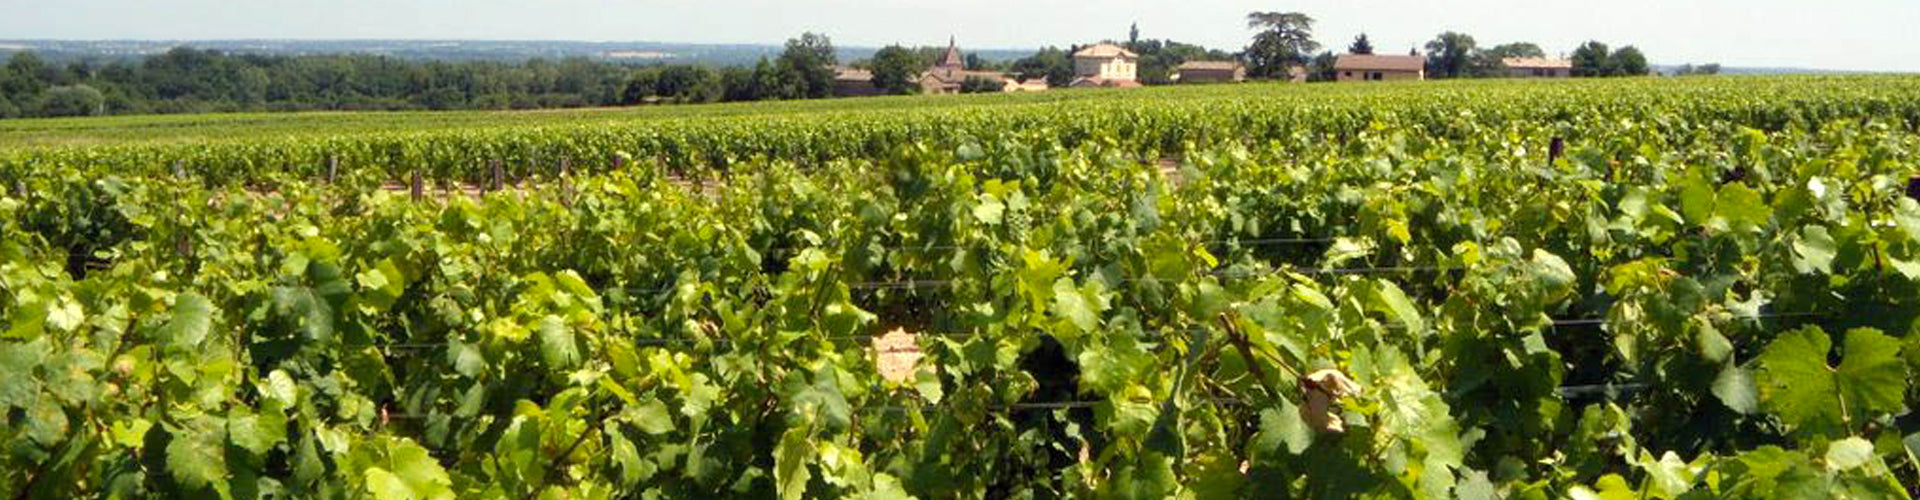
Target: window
{"x": 1348, "y": 75}
{"x": 1376, "y": 76}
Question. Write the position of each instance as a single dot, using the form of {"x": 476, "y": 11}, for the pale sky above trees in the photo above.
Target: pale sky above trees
{"x": 1830, "y": 34}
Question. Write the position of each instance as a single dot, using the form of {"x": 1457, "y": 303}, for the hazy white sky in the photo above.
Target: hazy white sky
{"x": 1830, "y": 34}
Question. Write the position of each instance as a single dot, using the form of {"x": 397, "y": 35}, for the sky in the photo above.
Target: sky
{"x": 1868, "y": 35}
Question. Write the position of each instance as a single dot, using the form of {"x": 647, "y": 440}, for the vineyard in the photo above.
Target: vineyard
{"x": 1692, "y": 288}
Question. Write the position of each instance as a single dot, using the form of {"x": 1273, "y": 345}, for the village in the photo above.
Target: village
{"x": 1109, "y": 65}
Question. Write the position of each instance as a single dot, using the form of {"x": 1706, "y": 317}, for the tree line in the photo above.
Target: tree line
{"x": 1284, "y": 40}
{"x": 187, "y": 80}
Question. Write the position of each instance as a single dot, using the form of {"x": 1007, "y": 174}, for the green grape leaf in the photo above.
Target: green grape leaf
{"x": 652, "y": 418}
{"x": 1475, "y": 486}
{"x": 27, "y": 318}
{"x": 386, "y": 486}
{"x": 1068, "y": 302}
{"x": 1283, "y": 427}
{"x": 1109, "y": 366}
{"x": 1696, "y": 200}
{"x": 408, "y": 473}
{"x": 190, "y": 323}
{"x": 1906, "y": 215}
{"x": 1809, "y": 395}
{"x": 46, "y": 422}
{"x": 557, "y": 347}
{"x": 1713, "y": 346}
{"x": 1551, "y": 273}
{"x": 1813, "y": 251}
{"x": 1848, "y": 454}
{"x": 1669, "y": 476}
{"x": 790, "y": 474}
{"x": 1611, "y": 487}
{"x": 279, "y": 388}
{"x": 886, "y": 487}
{"x": 1734, "y": 388}
{"x": 196, "y": 456}
{"x": 257, "y": 433}
{"x": 381, "y": 285}
{"x": 19, "y": 387}
{"x": 823, "y": 400}
{"x": 989, "y": 210}
{"x": 1741, "y": 207}
{"x": 927, "y": 383}
{"x": 1872, "y": 377}
{"x": 1798, "y": 386}
{"x": 66, "y": 315}
{"x": 1388, "y": 298}
{"x": 1346, "y": 249}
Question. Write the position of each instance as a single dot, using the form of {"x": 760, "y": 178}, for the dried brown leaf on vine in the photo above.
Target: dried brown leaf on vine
{"x": 898, "y": 355}
{"x": 1323, "y": 389}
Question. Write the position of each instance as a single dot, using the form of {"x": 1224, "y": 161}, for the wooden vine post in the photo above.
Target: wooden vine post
{"x": 416, "y": 190}
{"x": 333, "y": 168}
{"x": 499, "y": 177}
{"x": 566, "y": 183}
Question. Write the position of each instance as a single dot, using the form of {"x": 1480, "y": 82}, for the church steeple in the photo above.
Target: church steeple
{"x": 952, "y": 59}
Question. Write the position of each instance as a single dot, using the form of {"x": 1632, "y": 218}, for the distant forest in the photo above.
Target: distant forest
{"x": 187, "y": 80}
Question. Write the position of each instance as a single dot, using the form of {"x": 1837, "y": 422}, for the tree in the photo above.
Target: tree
{"x": 687, "y": 83}
{"x": 1284, "y": 39}
{"x": 72, "y": 100}
{"x": 736, "y": 84}
{"x": 1516, "y": 49}
{"x": 768, "y": 80}
{"x": 895, "y": 70}
{"x": 1628, "y": 61}
{"x": 806, "y": 67}
{"x": 1050, "y": 63}
{"x": 21, "y": 78}
{"x": 973, "y": 61}
{"x": 640, "y": 86}
{"x": 1692, "y": 70}
{"x": 1591, "y": 59}
{"x": 981, "y": 84}
{"x": 1361, "y": 45}
{"x": 1321, "y": 70}
{"x": 1133, "y": 34}
{"x": 1450, "y": 55}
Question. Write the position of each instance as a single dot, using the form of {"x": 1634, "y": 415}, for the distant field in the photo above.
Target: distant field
{"x": 231, "y": 127}
{"x": 1159, "y": 121}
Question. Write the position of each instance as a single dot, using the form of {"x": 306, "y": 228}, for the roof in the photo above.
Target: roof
{"x": 1380, "y": 62}
{"x": 1088, "y": 81}
{"x": 852, "y": 74}
{"x": 1536, "y": 62}
{"x": 1210, "y": 65}
{"x": 1104, "y": 50}
{"x": 952, "y": 58}
{"x": 956, "y": 77}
